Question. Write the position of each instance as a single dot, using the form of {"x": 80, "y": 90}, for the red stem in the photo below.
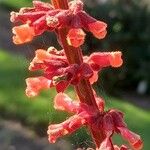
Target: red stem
{"x": 74, "y": 56}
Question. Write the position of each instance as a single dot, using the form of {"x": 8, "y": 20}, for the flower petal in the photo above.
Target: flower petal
{"x": 106, "y": 144}
{"x": 108, "y": 124}
{"x": 98, "y": 28}
{"x": 22, "y": 34}
{"x": 115, "y": 59}
{"x": 64, "y": 102}
{"x": 70, "y": 125}
{"x": 123, "y": 147}
{"x": 49, "y": 60}
{"x": 105, "y": 59}
{"x": 75, "y": 37}
{"x": 134, "y": 139}
{"x": 42, "y": 5}
{"x": 117, "y": 118}
{"x": 36, "y": 84}
{"x": 94, "y": 78}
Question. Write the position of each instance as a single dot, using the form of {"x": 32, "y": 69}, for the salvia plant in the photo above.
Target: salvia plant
{"x": 62, "y": 68}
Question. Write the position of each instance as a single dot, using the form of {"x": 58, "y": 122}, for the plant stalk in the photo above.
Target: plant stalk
{"x": 74, "y": 56}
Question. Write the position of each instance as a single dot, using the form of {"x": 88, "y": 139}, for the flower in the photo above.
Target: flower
{"x": 134, "y": 139}
{"x": 60, "y": 74}
{"x": 44, "y": 17}
{"x": 56, "y": 70}
{"x": 108, "y": 122}
{"x": 39, "y": 18}
{"x": 63, "y": 102}
{"x": 34, "y": 85}
{"x": 75, "y": 37}
{"x": 98, "y": 28}
{"x": 57, "y": 130}
{"x": 99, "y": 60}
{"x": 22, "y": 34}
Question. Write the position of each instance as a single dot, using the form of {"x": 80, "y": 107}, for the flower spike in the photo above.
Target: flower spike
{"x": 44, "y": 17}
{"x": 55, "y": 67}
{"x": 69, "y": 67}
{"x": 108, "y": 122}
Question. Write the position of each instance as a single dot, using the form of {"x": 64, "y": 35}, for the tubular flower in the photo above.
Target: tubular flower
{"x": 83, "y": 113}
{"x": 131, "y": 137}
{"x": 99, "y": 60}
{"x": 57, "y": 70}
{"x": 22, "y": 34}
{"x": 60, "y": 74}
{"x": 106, "y": 144}
{"x": 98, "y": 29}
{"x": 108, "y": 122}
{"x": 34, "y": 85}
{"x": 75, "y": 37}
{"x": 44, "y": 17}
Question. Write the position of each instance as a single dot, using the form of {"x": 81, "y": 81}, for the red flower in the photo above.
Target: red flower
{"x": 43, "y": 17}
{"x": 70, "y": 125}
{"x": 107, "y": 122}
{"x": 134, "y": 139}
{"x": 106, "y": 144}
{"x": 40, "y": 18}
{"x": 75, "y": 37}
{"x": 34, "y": 85}
{"x": 50, "y": 59}
{"x": 83, "y": 113}
{"x": 59, "y": 73}
{"x": 57, "y": 70}
{"x": 98, "y": 29}
{"x": 22, "y": 34}
{"x": 99, "y": 60}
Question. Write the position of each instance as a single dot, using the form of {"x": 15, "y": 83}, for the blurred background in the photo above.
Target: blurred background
{"x": 24, "y": 121}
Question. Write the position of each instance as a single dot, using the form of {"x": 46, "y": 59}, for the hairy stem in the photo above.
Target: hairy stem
{"x": 74, "y": 56}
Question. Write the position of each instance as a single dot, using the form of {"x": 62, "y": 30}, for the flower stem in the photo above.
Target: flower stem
{"x": 74, "y": 56}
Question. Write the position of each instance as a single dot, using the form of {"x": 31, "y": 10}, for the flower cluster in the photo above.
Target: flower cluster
{"x": 44, "y": 17}
{"x": 108, "y": 122}
{"x": 59, "y": 72}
